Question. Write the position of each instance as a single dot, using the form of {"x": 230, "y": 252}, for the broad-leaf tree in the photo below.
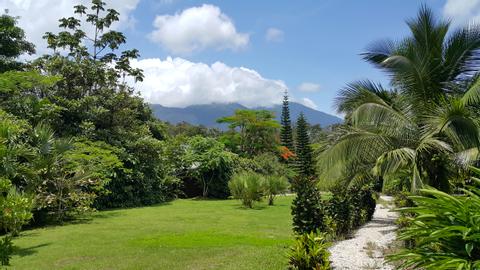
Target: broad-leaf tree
{"x": 12, "y": 44}
{"x": 257, "y": 131}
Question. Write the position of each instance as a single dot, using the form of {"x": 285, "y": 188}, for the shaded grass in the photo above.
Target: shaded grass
{"x": 186, "y": 234}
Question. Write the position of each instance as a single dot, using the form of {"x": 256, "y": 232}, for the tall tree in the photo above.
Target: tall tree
{"x": 12, "y": 43}
{"x": 304, "y": 151}
{"x": 286, "y": 136}
{"x": 93, "y": 94}
{"x": 257, "y": 130}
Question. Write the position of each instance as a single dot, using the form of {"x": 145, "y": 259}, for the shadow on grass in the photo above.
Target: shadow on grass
{"x": 206, "y": 199}
{"x": 22, "y": 252}
{"x": 255, "y": 207}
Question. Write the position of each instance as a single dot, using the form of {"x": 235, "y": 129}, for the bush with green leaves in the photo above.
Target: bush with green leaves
{"x": 62, "y": 189}
{"x": 361, "y": 198}
{"x": 15, "y": 211}
{"x": 273, "y": 186}
{"x": 347, "y": 210}
{"x": 307, "y": 210}
{"x": 269, "y": 164}
{"x": 146, "y": 178}
{"x": 446, "y": 230}
{"x": 310, "y": 251}
{"x": 247, "y": 187}
{"x": 338, "y": 211}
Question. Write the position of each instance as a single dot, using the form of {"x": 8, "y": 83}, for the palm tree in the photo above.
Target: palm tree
{"x": 425, "y": 123}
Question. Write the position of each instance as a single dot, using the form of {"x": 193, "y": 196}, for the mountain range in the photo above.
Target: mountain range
{"x": 207, "y": 115}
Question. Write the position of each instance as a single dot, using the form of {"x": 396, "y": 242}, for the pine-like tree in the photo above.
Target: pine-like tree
{"x": 307, "y": 211}
{"x": 304, "y": 152}
{"x": 286, "y": 137}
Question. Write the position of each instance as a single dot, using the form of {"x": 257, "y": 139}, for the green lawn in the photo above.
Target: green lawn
{"x": 185, "y": 234}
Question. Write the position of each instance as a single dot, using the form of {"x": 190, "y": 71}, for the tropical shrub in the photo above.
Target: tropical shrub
{"x": 446, "y": 230}
{"x": 62, "y": 190}
{"x": 100, "y": 160}
{"x": 362, "y": 201}
{"x": 338, "y": 212}
{"x": 307, "y": 210}
{"x": 276, "y": 175}
{"x": 247, "y": 187}
{"x": 208, "y": 162}
{"x": 310, "y": 251}
{"x": 347, "y": 210}
{"x": 15, "y": 211}
{"x": 273, "y": 186}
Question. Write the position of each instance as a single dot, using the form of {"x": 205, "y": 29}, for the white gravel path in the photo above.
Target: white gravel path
{"x": 352, "y": 253}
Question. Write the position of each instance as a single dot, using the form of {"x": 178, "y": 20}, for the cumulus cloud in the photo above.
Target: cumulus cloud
{"x": 274, "y": 35}
{"x": 40, "y": 16}
{"x": 462, "y": 11}
{"x": 308, "y": 102}
{"x": 309, "y": 87}
{"x": 176, "y": 82}
{"x": 196, "y": 29}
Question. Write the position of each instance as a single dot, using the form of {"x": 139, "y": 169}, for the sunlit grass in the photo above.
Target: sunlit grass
{"x": 186, "y": 234}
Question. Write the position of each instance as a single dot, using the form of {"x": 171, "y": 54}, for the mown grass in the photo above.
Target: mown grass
{"x": 185, "y": 234}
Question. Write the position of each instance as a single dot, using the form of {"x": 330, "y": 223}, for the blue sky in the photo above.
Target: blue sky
{"x": 197, "y": 52}
{"x": 321, "y": 44}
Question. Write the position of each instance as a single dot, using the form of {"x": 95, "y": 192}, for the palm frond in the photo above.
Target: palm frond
{"x": 472, "y": 95}
{"x": 467, "y": 157}
{"x": 391, "y": 161}
{"x": 383, "y": 119}
{"x": 454, "y": 120}
{"x": 461, "y": 52}
{"x": 360, "y": 92}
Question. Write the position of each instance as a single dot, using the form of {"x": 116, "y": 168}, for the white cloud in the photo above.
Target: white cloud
{"x": 179, "y": 83}
{"x": 308, "y": 102}
{"x": 196, "y": 29}
{"x": 274, "y": 35}
{"x": 462, "y": 11}
{"x": 40, "y": 16}
{"x": 309, "y": 87}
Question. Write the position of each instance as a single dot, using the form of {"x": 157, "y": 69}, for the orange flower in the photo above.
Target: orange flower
{"x": 285, "y": 153}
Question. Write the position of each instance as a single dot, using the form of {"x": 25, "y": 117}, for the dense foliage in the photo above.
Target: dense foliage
{"x": 74, "y": 138}
{"x": 348, "y": 209}
{"x": 12, "y": 44}
{"x": 209, "y": 164}
{"x": 446, "y": 231}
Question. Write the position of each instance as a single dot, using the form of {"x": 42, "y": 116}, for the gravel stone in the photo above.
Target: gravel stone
{"x": 352, "y": 253}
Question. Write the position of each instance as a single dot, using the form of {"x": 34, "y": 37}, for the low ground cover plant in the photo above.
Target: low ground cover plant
{"x": 310, "y": 251}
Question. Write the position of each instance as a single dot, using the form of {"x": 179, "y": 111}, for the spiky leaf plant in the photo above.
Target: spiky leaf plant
{"x": 446, "y": 229}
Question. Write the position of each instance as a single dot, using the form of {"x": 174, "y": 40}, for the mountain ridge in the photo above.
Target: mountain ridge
{"x": 207, "y": 114}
